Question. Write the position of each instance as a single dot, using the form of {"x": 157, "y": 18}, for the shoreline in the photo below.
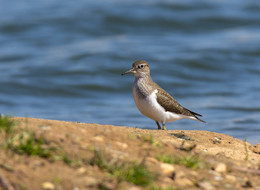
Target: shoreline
{"x": 72, "y": 152}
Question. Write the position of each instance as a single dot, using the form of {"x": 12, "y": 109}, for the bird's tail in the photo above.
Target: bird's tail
{"x": 200, "y": 119}
{"x": 196, "y": 116}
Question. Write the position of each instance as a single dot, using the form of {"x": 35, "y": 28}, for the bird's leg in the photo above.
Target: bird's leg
{"x": 163, "y": 124}
{"x": 159, "y": 126}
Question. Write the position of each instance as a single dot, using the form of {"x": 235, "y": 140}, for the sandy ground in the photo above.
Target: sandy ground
{"x": 223, "y": 162}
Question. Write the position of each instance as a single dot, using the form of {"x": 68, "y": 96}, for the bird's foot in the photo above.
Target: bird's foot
{"x": 164, "y": 128}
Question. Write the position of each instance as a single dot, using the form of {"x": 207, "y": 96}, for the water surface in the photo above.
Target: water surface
{"x": 63, "y": 59}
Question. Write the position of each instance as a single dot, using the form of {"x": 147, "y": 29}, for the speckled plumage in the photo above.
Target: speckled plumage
{"x": 153, "y": 101}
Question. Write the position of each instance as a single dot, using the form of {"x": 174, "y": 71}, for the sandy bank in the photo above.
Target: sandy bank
{"x": 87, "y": 156}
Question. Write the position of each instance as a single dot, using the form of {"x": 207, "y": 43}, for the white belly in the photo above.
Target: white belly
{"x": 150, "y": 108}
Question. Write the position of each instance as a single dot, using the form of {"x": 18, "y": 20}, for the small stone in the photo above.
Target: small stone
{"x": 81, "y": 170}
{"x": 216, "y": 140}
{"x": 255, "y": 148}
{"x": 98, "y": 138}
{"x": 167, "y": 169}
{"x": 151, "y": 162}
{"x": 221, "y": 168}
{"x": 48, "y": 186}
{"x": 122, "y": 145}
{"x": 231, "y": 178}
{"x": 218, "y": 178}
{"x": 184, "y": 182}
{"x": 205, "y": 185}
{"x": 179, "y": 174}
{"x": 151, "y": 159}
{"x": 194, "y": 173}
{"x": 134, "y": 188}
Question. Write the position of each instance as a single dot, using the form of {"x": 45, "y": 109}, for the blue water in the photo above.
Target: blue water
{"x": 63, "y": 59}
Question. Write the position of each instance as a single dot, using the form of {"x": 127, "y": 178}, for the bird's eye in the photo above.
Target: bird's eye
{"x": 140, "y": 66}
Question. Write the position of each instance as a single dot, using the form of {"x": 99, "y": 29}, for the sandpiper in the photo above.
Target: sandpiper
{"x": 154, "y": 102}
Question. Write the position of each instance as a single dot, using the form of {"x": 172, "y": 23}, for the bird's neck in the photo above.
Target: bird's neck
{"x": 144, "y": 85}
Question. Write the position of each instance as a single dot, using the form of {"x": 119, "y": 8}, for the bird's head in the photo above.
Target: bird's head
{"x": 139, "y": 68}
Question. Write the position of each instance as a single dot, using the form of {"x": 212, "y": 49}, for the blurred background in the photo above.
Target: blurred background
{"x": 62, "y": 59}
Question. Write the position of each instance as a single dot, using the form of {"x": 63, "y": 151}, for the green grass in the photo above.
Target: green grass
{"x": 6, "y": 125}
{"x": 99, "y": 160}
{"x": 150, "y": 139}
{"x": 190, "y": 161}
{"x": 67, "y": 160}
{"x": 7, "y": 130}
{"x": 31, "y": 146}
{"x": 22, "y": 141}
{"x": 166, "y": 158}
{"x": 135, "y": 173}
{"x": 57, "y": 180}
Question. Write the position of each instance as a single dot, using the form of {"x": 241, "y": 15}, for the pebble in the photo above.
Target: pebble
{"x": 256, "y": 148}
{"x": 48, "y": 186}
{"x": 98, "y": 138}
{"x": 167, "y": 169}
{"x": 231, "y": 178}
{"x": 134, "y": 188}
{"x": 122, "y": 145}
{"x": 205, "y": 185}
{"x": 151, "y": 159}
{"x": 179, "y": 174}
{"x": 218, "y": 178}
{"x": 216, "y": 140}
{"x": 81, "y": 170}
{"x": 184, "y": 182}
{"x": 221, "y": 168}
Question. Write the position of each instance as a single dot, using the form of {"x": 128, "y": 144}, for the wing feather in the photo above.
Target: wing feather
{"x": 171, "y": 105}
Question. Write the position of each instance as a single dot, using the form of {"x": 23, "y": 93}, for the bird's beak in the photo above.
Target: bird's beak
{"x": 129, "y": 71}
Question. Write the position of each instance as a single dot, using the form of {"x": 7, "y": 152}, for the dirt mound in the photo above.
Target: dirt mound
{"x": 48, "y": 154}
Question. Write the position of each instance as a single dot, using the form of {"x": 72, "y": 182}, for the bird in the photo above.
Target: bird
{"x": 153, "y": 101}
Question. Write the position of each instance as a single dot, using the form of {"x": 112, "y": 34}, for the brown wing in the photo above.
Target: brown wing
{"x": 170, "y": 104}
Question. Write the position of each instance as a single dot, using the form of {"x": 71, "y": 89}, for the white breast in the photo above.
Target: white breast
{"x": 152, "y": 109}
